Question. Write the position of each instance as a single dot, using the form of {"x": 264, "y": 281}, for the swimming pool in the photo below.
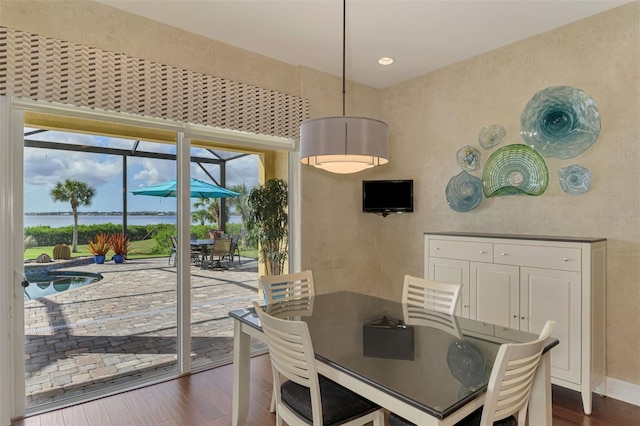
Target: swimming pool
{"x": 57, "y": 282}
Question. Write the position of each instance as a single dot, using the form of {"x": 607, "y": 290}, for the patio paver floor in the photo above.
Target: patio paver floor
{"x": 123, "y": 327}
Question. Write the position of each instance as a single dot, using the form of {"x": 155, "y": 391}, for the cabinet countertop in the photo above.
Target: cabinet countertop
{"x": 518, "y": 236}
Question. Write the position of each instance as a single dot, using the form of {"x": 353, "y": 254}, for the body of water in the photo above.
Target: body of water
{"x": 57, "y": 221}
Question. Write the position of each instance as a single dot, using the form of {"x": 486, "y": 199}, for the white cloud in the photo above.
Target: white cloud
{"x": 153, "y": 171}
{"x": 43, "y": 167}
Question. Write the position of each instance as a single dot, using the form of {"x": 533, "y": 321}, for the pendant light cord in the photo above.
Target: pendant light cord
{"x": 344, "y": 56}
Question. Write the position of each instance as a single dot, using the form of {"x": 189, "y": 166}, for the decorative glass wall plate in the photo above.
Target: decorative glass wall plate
{"x": 464, "y": 192}
{"x": 468, "y": 158}
{"x": 491, "y": 135}
{"x": 574, "y": 179}
{"x": 560, "y": 122}
{"x": 514, "y": 169}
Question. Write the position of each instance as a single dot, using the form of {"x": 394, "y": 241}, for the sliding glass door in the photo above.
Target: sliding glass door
{"x": 94, "y": 321}
{"x": 95, "y": 325}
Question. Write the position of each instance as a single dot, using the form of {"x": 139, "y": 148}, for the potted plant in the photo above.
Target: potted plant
{"x": 268, "y": 223}
{"x": 120, "y": 246}
{"x": 99, "y": 247}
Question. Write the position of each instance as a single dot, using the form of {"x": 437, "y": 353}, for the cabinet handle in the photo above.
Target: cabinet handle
{"x": 566, "y": 259}
{"x": 515, "y": 316}
{"x": 465, "y": 306}
{"x": 503, "y": 254}
{"x": 522, "y": 318}
{"x": 482, "y": 252}
{"x": 436, "y": 248}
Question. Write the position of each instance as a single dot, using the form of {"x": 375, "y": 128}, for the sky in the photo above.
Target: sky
{"x": 44, "y": 167}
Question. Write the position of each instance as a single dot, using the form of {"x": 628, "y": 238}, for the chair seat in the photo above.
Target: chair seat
{"x": 472, "y": 419}
{"x": 339, "y": 404}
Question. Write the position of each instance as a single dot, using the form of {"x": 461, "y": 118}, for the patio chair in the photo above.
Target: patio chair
{"x": 219, "y": 255}
{"x": 235, "y": 249}
{"x": 194, "y": 253}
{"x": 174, "y": 250}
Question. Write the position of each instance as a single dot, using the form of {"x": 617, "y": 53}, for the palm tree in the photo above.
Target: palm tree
{"x": 212, "y": 207}
{"x": 240, "y": 203}
{"x": 78, "y": 193}
{"x": 201, "y": 216}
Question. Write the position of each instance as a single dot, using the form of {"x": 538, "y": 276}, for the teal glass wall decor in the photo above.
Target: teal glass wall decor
{"x": 491, "y": 135}
{"x": 464, "y": 192}
{"x": 514, "y": 169}
{"x": 574, "y": 179}
{"x": 560, "y": 122}
{"x": 468, "y": 158}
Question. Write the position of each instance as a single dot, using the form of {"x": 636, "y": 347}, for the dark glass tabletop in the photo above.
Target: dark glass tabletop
{"x": 433, "y": 361}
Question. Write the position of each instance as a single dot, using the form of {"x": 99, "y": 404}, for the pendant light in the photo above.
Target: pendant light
{"x": 344, "y": 144}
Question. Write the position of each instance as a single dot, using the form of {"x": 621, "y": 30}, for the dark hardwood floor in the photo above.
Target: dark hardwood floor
{"x": 205, "y": 399}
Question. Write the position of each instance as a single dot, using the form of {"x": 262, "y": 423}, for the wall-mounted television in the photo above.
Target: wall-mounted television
{"x": 387, "y": 196}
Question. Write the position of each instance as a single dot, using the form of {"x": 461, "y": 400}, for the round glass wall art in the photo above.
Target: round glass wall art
{"x": 574, "y": 179}
{"x": 464, "y": 192}
{"x": 560, "y": 122}
{"x": 491, "y": 135}
{"x": 514, "y": 169}
{"x": 468, "y": 158}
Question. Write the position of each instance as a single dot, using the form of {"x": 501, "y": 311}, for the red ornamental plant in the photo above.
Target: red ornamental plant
{"x": 119, "y": 244}
{"x": 100, "y": 245}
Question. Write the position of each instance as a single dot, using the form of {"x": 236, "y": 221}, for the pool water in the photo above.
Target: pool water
{"x": 58, "y": 282}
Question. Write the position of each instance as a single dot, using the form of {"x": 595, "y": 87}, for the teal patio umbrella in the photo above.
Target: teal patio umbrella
{"x": 199, "y": 189}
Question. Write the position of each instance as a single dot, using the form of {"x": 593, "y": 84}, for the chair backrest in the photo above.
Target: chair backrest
{"x": 292, "y": 356}
{"x": 234, "y": 242}
{"x": 441, "y": 297}
{"x": 419, "y": 315}
{"x": 511, "y": 379}
{"x": 221, "y": 247}
{"x": 193, "y": 237}
{"x": 298, "y": 285}
{"x": 174, "y": 241}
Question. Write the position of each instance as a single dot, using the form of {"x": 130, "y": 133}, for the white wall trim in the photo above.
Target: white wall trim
{"x": 623, "y": 391}
{"x": 6, "y": 275}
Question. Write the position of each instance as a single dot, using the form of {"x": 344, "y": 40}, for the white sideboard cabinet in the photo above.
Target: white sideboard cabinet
{"x": 518, "y": 282}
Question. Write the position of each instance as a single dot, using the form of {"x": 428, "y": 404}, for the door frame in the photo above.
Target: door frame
{"x": 12, "y": 357}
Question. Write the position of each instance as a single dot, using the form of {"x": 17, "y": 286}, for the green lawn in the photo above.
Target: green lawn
{"x": 139, "y": 249}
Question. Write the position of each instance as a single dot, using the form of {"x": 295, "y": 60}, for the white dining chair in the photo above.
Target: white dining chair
{"x": 418, "y": 315}
{"x": 509, "y": 386}
{"x": 441, "y": 297}
{"x": 307, "y": 397}
{"x": 296, "y": 288}
{"x": 297, "y": 285}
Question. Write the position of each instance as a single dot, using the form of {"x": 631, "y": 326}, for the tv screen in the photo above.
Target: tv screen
{"x": 387, "y": 196}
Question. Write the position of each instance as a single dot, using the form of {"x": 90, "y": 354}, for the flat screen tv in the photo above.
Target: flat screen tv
{"x": 387, "y": 196}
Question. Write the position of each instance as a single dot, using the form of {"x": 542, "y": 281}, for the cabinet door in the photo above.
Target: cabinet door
{"x": 494, "y": 294}
{"x": 455, "y": 272}
{"x": 547, "y": 294}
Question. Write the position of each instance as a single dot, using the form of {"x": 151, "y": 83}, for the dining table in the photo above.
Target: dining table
{"x": 431, "y": 372}
{"x": 203, "y": 245}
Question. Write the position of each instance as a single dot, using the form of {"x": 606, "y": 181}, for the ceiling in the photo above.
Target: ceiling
{"x": 421, "y": 35}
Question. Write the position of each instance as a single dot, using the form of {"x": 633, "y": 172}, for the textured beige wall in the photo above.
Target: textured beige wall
{"x": 430, "y": 118}
{"x": 94, "y": 24}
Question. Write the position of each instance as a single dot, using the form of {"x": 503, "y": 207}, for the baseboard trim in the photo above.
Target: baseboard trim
{"x": 623, "y": 391}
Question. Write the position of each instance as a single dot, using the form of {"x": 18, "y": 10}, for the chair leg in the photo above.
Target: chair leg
{"x": 272, "y": 407}
{"x": 379, "y": 420}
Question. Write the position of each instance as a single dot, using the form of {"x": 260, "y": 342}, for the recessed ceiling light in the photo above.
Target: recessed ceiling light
{"x": 385, "y": 61}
